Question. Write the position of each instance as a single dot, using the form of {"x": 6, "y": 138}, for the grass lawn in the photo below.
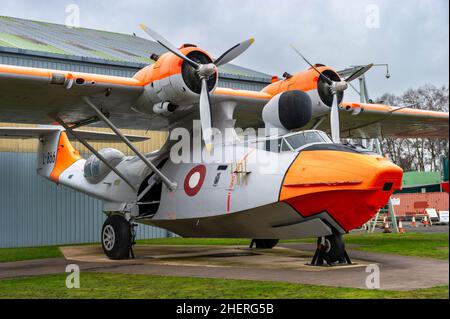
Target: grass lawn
{"x": 98, "y": 285}
{"x": 16, "y": 254}
{"x": 410, "y": 244}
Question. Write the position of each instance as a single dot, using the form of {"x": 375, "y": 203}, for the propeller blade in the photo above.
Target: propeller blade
{"x": 359, "y": 73}
{"x": 334, "y": 121}
{"x": 169, "y": 46}
{"x": 205, "y": 115}
{"x": 311, "y": 65}
{"x": 234, "y": 52}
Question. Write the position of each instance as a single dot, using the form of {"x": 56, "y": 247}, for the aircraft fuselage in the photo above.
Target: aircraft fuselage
{"x": 264, "y": 191}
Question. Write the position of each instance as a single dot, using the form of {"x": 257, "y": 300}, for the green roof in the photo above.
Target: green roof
{"x": 59, "y": 41}
{"x": 411, "y": 179}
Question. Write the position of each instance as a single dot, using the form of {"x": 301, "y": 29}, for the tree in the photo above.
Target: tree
{"x": 421, "y": 154}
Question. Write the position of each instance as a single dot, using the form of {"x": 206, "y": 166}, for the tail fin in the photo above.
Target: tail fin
{"x": 55, "y": 154}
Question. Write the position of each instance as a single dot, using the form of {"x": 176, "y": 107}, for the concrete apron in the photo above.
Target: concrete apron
{"x": 286, "y": 263}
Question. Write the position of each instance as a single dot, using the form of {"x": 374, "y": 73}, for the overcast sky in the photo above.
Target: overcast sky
{"x": 411, "y": 35}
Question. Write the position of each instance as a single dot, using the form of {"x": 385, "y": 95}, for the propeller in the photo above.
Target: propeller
{"x": 205, "y": 115}
{"x": 336, "y": 87}
{"x": 204, "y": 72}
{"x": 234, "y": 52}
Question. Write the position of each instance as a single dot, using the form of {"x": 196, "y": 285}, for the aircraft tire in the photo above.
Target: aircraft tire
{"x": 335, "y": 247}
{"x": 116, "y": 237}
{"x": 266, "y": 243}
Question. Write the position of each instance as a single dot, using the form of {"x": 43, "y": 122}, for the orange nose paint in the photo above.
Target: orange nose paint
{"x": 350, "y": 187}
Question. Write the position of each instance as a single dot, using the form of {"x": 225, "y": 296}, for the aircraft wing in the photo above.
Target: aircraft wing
{"x": 249, "y": 105}
{"x": 361, "y": 120}
{"x": 36, "y": 132}
{"x": 357, "y": 120}
{"x": 29, "y": 95}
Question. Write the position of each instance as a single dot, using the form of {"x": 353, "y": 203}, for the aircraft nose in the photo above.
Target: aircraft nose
{"x": 350, "y": 186}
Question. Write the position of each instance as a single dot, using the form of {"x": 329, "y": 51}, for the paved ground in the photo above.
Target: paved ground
{"x": 437, "y": 229}
{"x": 284, "y": 264}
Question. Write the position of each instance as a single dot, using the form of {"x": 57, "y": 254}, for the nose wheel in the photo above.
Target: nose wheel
{"x": 118, "y": 238}
{"x": 331, "y": 251}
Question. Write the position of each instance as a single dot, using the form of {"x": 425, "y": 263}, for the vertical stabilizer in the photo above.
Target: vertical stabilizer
{"x": 55, "y": 154}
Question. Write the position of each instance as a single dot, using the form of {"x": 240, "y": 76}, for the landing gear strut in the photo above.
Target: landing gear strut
{"x": 331, "y": 251}
{"x": 118, "y": 238}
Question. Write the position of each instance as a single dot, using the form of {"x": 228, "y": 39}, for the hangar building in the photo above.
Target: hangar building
{"x": 34, "y": 211}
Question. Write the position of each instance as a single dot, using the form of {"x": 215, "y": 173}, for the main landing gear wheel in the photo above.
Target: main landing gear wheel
{"x": 331, "y": 251}
{"x": 117, "y": 238}
{"x": 264, "y": 243}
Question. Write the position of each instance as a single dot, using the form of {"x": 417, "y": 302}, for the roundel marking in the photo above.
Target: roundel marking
{"x": 194, "y": 180}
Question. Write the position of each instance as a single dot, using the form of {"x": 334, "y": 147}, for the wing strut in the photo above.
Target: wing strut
{"x": 171, "y": 185}
{"x": 93, "y": 150}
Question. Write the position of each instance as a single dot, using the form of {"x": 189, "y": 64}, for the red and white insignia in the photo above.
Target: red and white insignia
{"x": 194, "y": 180}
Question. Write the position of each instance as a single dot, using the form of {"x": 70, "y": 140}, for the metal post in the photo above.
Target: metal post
{"x": 171, "y": 185}
{"x": 362, "y": 97}
{"x": 364, "y": 143}
{"x": 392, "y": 213}
{"x": 378, "y": 147}
{"x": 366, "y": 91}
{"x": 375, "y": 221}
{"x": 363, "y": 92}
{"x": 93, "y": 150}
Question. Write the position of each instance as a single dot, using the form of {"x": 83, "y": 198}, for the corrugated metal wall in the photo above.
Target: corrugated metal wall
{"x": 243, "y": 85}
{"x": 36, "y": 212}
{"x": 156, "y": 139}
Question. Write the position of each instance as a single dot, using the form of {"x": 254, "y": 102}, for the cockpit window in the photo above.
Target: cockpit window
{"x": 293, "y": 142}
{"x": 285, "y": 147}
{"x": 274, "y": 145}
{"x": 303, "y": 138}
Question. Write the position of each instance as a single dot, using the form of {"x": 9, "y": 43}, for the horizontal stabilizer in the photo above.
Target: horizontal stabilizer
{"x": 36, "y": 132}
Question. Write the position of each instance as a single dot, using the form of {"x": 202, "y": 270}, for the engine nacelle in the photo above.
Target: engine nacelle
{"x": 171, "y": 80}
{"x": 288, "y": 111}
{"x": 316, "y": 86}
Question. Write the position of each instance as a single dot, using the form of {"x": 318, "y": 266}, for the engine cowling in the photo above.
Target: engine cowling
{"x": 316, "y": 86}
{"x": 288, "y": 110}
{"x": 171, "y": 80}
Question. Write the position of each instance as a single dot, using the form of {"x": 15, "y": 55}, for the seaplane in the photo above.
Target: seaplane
{"x": 296, "y": 178}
